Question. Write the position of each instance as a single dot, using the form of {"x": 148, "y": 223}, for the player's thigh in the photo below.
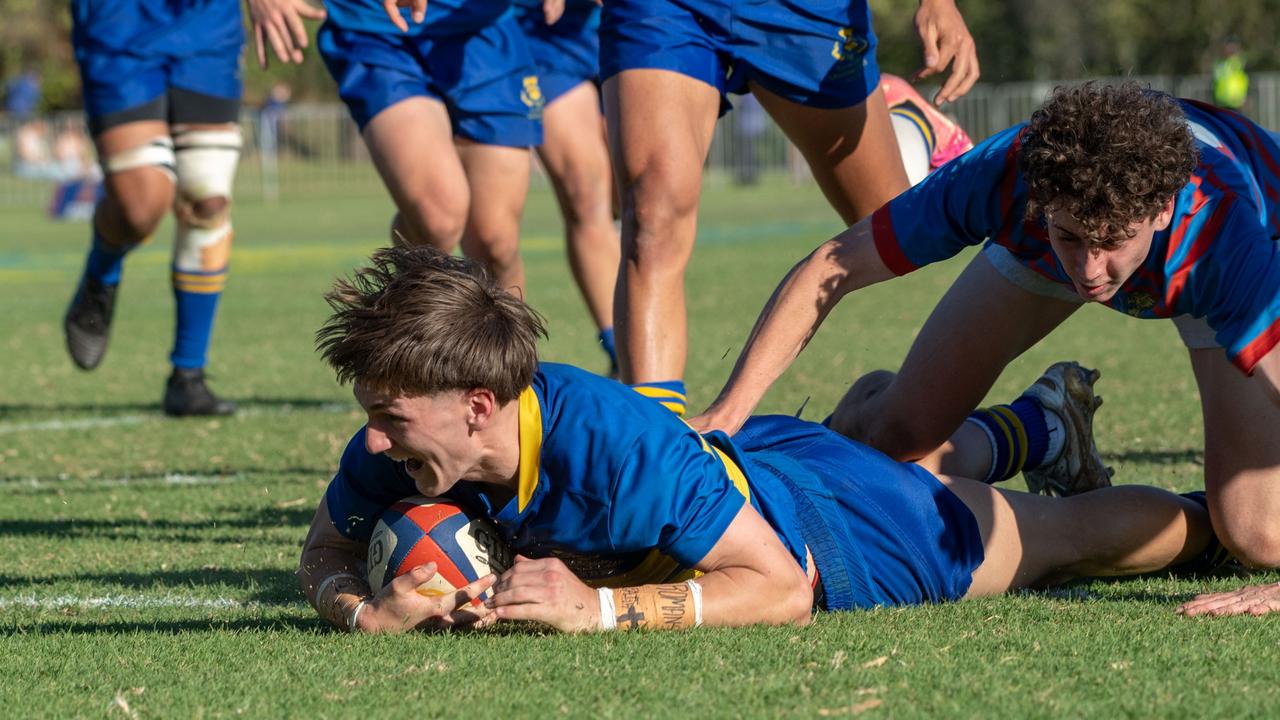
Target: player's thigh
{"x": 660, "y": 126}
{"x": 981, "y": 324}
{"x": 574, "y": 152}
{"x": 852, "y": 151}
{"x": 1241, "y": 457}
{"x": 411, "y": 145}
{"x": 499, "y": 180}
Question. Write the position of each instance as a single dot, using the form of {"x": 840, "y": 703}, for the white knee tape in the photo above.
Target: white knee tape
{"x": 201, "y": 250}
{"x": 157, "y": 153}
{"x": 206, "y": 163}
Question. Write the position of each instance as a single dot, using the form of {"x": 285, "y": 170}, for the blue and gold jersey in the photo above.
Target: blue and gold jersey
{"x": 444, "y": 17}
{"x": 1217, "y": 260}
{"x": 610, "y": 481}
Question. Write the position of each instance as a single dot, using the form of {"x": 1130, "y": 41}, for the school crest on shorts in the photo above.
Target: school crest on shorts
{"x": 848, "y": 45}
{"x": 531, "y": 96}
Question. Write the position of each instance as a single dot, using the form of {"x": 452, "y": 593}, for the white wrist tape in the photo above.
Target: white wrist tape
{"x": 608, "y": 613}
{"x": 696, "y": 591}
{"x": 325, "y": 583}
{"x": 355, "y": 616}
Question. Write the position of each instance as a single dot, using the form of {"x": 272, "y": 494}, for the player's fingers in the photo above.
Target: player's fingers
{"x": 298, "y": 32}
{"x": 282, "y": 48}
{"x": 522, "y": 595}
{"x": 393, "y": 12}
{"x": 309, "y": 11}
{"x": 419, "y": 10}
{"x": 552, "y": 10}
{"x": 929, "y": 42}
{"x": 471, "y": 591}
{"x": 410, "y": 581}
{"x": 962, "y": 75}
{"x": 260, "y": 45}
{"x": 523, "y": 611}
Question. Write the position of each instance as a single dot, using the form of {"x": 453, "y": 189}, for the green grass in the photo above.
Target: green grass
{"x": 147, "y": 564}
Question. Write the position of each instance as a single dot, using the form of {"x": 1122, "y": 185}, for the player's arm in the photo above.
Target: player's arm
{"x": 331, "y": 574}
{"x": 805, "y": 297}
{"x": 946, "y": 41}
{"x": 279, "y": 23}
{"x": 749, "y": 578}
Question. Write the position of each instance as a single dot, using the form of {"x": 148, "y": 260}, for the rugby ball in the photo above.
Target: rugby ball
{"x": 419, "y": 530}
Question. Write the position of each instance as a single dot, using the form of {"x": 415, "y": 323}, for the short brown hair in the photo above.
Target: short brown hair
{"x": 419, "y": 322}
{"x": 1109, "y": 155}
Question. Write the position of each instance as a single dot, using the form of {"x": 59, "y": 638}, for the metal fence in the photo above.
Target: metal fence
{"x": 315, "y": 149}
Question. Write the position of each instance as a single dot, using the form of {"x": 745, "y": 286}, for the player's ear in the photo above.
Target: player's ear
{"x": 1165, "y": 216}
{"x": 481, "y": 406}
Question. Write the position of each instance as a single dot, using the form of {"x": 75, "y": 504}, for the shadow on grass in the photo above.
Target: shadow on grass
{"x": 1158, "y": 457}
{"x": 260, "y": 585}
{"x": 169, "y": 627}
{"x": 196, "y": 531}
{"x": 37, "y": 412}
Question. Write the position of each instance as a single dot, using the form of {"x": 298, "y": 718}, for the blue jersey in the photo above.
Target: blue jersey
{"x": 626, "y": 493}
{"x": 1217, "y": 260}
{"x": 610, "y": 481}
{"x": 444, "y": 17}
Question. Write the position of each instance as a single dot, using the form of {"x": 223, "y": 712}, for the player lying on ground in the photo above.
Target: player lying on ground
{"x": 600, "y": 487}
{"x": 1157, "y": 207}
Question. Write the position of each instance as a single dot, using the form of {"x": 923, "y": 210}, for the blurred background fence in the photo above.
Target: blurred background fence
{"x": 314, "y": 148}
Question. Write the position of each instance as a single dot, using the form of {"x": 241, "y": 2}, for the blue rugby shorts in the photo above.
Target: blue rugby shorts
{"x": 486, "y": 79}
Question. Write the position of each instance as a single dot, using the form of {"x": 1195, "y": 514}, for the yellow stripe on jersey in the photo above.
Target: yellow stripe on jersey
{"x": 530, "y": 447}
{"x": 657, "y": 567}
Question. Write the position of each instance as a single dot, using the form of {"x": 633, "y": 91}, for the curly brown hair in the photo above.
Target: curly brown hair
{"x": 418, "y": 321}
{"x": 1108, "y": 155}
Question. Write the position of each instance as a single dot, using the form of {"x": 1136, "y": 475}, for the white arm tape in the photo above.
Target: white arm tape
{"x": 355, "y": 616}
{"x": 157, "y": 153}
{"x": 696, "y": 591}
{"x": 608, "y": 613}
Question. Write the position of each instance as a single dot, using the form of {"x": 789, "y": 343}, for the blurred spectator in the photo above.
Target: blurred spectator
{"x": 273, "y": 122}
{"x": 1230, "y": 79}
{"x": 22, "y": 95}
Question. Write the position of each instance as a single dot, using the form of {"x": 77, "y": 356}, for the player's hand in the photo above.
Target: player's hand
{"x": 393, "y": 11}
{"x": 552, "y": 10}
{"x": 1251, "y": 600}
{"x": 545, "y": 591}
{"x": 399, "y": 606}
{"x": 713, "y": 418}
{"x": 279, "y": 23}
{"x": 946, "y": 41}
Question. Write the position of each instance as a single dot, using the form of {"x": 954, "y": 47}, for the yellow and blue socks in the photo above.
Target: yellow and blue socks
{"x": 1023, "y": 436}
{"x": 670, "y": 393}
{"x": 196, "y": 295}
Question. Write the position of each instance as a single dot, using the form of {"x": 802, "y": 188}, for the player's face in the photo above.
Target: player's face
{"x": 1098, "y": 268}
{"x": 429, "y": 434}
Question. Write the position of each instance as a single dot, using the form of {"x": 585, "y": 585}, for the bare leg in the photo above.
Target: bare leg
{"x": 427, "y": 182}
{"x": 1241, "y": 458}
{"x": 1033, "y": 541}
{"x": 499, "y": 180}
{"x": 660, "y": 126}
{"x": 853, "y": 152}
{"x": 981, "y": 324}
{"x": 577, "y": 159}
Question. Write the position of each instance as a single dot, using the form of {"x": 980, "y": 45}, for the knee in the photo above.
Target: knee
{"x": 866, "y": 415}
{"x": 136, "y": 217}
{"x": 438, "y": 222}
{"x": 1256, "y": 545}
{"x": 656, "y": 202}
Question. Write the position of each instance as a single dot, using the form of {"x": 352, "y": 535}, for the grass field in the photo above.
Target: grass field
{"x": 147, "y": 565}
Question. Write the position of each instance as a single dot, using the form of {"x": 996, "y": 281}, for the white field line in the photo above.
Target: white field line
{"x": 122, "y": 420}
{"x": 169, "y": 480}
{"x": 134, "y": 602}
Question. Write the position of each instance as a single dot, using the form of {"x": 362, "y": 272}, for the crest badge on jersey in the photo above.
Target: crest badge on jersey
{"x": 848, "y": 45}
{"x": 531, "y": 96}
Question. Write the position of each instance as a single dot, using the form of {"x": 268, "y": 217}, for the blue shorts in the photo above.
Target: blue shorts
{"x": 134, "y": 53}
{"x": 486, "y": 79}
{"x": 818, "y": 53}
{"x": 567, "y": 53}
{"x": 881, "y": 532}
